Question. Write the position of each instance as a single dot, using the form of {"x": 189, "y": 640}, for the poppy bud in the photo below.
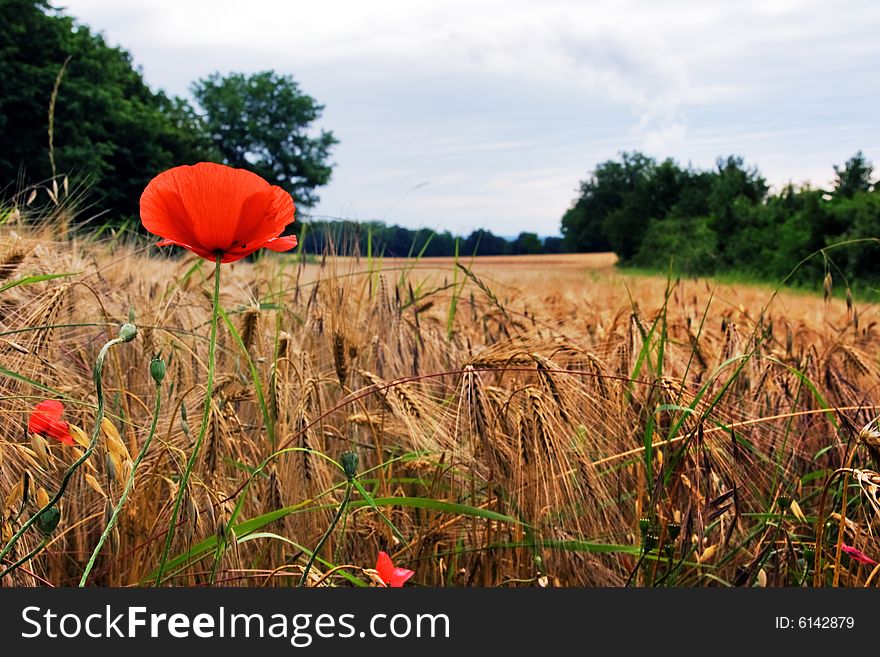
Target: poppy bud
{"x": 48, "y": 520}
{"x": 157, "y": 369}
{"x": 128, "y": 332}
{"x": 350, "y": 464}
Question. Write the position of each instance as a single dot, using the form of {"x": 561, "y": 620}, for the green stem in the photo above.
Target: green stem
{"x": 317, "y": 550}
{"x": 99, "y": 366}
{"x": 209, "y": 389}
{"x": 125, "y": 492}
{"x": 30, "y": 555}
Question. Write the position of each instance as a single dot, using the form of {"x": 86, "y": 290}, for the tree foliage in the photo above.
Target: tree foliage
{"x": 262, "y": 122}
{"x": 109, "y": 128}
{"x": 725, "y": 219}
{"x": 853, "y": 177}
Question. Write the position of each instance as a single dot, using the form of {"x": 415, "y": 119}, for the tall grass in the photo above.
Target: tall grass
{"x": 522, "y": 425}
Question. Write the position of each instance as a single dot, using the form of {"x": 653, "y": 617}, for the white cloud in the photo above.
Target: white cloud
{"x": 504, "y": 105}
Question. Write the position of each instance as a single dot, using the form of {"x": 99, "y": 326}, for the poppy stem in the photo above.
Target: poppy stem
{"x": 317, "y": 550}
{"x": 209, "y": 389}
{"x": 126, "y": 491}
{"x": 127, "y": 334}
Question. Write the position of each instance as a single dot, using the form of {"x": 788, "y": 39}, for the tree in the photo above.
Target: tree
{"x": 854, "y": 177}
{"x": 553, "y": 245}
{"x": 482, "y": 242}
{"x": 525, "y": 244}
{"x": 736, "y": 188}
{"x": 618, "y": 202}
{"x": 109, "y": 127}
{"x": 262, "y": 123}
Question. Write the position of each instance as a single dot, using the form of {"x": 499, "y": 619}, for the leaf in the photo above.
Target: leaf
{"x": 38, "y": 278}
{"x": 369, "y": 499}
{"x": 796, "y": 511}
{"x": 259, "y": 535}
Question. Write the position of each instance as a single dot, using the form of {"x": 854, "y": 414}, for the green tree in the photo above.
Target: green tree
{"x": 525, "y": 243}
{"x": 483, "y": 242}
{"x": 853, "y": 177}
{"x": 109, "y": 127}
{"x": 262, "y": 122}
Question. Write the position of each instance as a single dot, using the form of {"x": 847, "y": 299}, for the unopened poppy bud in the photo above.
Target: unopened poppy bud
{"x": 48, "y": 520}
{"x": 128, "y": 332}
{"x": 157, "y": 369}
{"x": 350, "y": 464}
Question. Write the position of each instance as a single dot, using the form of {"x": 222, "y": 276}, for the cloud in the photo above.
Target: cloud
{"x": 504, "y": 105}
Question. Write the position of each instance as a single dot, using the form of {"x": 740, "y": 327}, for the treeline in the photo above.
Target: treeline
{"x": 656, "y": 214}
{"x": 378, "y": 239}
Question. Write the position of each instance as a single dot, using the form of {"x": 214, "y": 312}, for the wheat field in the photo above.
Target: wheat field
{"x": 519, "y": 421}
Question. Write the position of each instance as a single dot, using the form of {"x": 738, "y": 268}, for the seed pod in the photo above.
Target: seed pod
{"x": 48, "y": 520}
{"x": 157, "y": 369}
{"x": 350, "y": 464}
{"x": 128, "y": 332}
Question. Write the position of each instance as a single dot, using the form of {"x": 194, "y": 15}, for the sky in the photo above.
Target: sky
{"x": 459, "y": 115}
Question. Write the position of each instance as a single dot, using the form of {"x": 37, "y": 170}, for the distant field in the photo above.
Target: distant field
{"x": 533, "y": 420}
{"x": 566, "y": 260}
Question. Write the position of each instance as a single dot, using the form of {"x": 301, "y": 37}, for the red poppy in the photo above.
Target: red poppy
{"x": 212, "y": 209}
{"x": 46, "y": 420}
{"x": 857, "y": 555}
{"x": 394, "y": 577}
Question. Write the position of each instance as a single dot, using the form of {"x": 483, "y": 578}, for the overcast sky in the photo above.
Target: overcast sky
{"x": 461, "y": 115}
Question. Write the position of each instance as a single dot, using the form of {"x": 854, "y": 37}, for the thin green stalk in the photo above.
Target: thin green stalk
{"x": 317, "y": 550}
{"x": 209, "y": 389}
{"x": 125, "y": 492}
{"x": 30, "y": 555}
{"x": 126, "y": 334}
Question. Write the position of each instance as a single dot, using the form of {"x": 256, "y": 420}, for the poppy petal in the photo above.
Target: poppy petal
{"x": 38, "y": 422}
{"x": 59, "y": 430}
{"x": 51, "y": 407}
{"x": 212, "y": 208}
{"x": 264, "y": 216}
{"x": 198, "y": 250}
{"x": 385, "y": 567}
{"x": 399, "y": 576}
{"x": 45, "y": 420}
{"x": 281, "y": 243}
{"x": 857, "y": 555}
{"x": 214, "y": 196}
{"x": 163, "y": 212}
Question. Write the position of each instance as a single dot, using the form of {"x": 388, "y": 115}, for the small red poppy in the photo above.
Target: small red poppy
{"x": 212, "y": 209}
{"x": 857, "y": 555}
{"x": 46, "y": 420}
{"x": 393, "y": 577}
